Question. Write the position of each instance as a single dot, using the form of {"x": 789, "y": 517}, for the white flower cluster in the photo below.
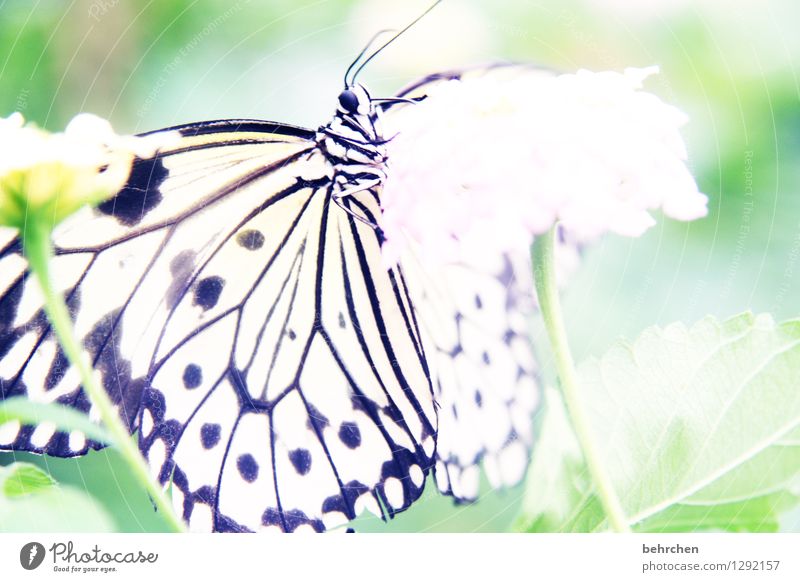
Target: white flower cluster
{"x": 487, "y": 162}
{"x": 57, "y": 173}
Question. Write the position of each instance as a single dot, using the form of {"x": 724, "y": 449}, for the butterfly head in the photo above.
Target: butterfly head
{"x": 355, "y": 101}
{"x": 353, "y": 135}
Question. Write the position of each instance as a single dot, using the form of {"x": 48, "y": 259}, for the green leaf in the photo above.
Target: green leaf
{"x": 698, "y": 428}
{"x": 759, "y": 514}
{"x": 57, "y": 509}
{"x": 32, "y": 501}
{"x": 560, "y": 482}
{"x": 67, "y": 419}
{"x": 20, "y": 479}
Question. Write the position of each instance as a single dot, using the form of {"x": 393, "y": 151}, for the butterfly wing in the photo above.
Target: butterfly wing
{"x": 277, "y": 374}
{"x": 322, "y": 407}
{"x": 475, "y": 319}
{"x": 106, "y": 263}
{"x": 244, "y": 328}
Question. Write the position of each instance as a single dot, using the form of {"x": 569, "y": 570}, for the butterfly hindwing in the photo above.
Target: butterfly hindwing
{"x": 475, "y": 316}
{"x": 475, "y": 323}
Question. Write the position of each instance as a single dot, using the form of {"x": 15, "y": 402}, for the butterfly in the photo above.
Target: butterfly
{"x": 235, "y": 306}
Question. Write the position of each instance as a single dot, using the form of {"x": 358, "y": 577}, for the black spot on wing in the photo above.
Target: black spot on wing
{"x": 139, "y": 195}
{"x": 192, "y": 376}
{"x": 207, "y": 291}
{"x": 350, "y": 435}
{"x": 301, "y": 459}
{"x": 210, "y": 434}
{"x": 250, "y": 239}
{"x": 248, "y": 467}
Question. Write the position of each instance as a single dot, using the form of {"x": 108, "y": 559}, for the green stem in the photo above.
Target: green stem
{"x": 36, "y": 243}
{"x": 550, "y": 305}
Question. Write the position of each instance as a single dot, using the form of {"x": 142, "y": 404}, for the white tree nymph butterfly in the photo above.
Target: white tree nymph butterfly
{"x": 234, "y": 302}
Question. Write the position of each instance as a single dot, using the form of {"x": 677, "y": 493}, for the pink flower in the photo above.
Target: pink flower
{"x": 486, "y": 163}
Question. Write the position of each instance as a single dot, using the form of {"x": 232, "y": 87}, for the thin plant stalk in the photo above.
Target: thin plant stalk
{"x": 543, "y": 254}
{"x": 38, "y": 250}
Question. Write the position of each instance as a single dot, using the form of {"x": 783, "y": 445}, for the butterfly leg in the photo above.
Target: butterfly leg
{"x": 337, "y": 198}
{"x": 357, "y": 189}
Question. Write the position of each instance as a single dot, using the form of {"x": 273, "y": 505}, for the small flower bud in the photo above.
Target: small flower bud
{"x": 48, "y": 176}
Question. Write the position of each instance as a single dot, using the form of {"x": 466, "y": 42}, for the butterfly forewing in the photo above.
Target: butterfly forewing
{"x": 107, "y": 259}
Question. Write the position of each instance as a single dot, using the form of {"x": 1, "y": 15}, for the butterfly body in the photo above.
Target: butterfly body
{"x": 353, "y": 145}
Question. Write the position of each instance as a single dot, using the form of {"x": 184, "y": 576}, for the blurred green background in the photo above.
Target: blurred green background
{"x": 729, "y": 65}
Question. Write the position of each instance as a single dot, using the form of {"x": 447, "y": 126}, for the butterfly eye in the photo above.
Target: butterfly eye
{"x": 348, "y": 100}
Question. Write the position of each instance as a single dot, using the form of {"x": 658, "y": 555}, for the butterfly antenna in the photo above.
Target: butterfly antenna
{"x": 394, "y": 38}
{"x": 363, "y": 52}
